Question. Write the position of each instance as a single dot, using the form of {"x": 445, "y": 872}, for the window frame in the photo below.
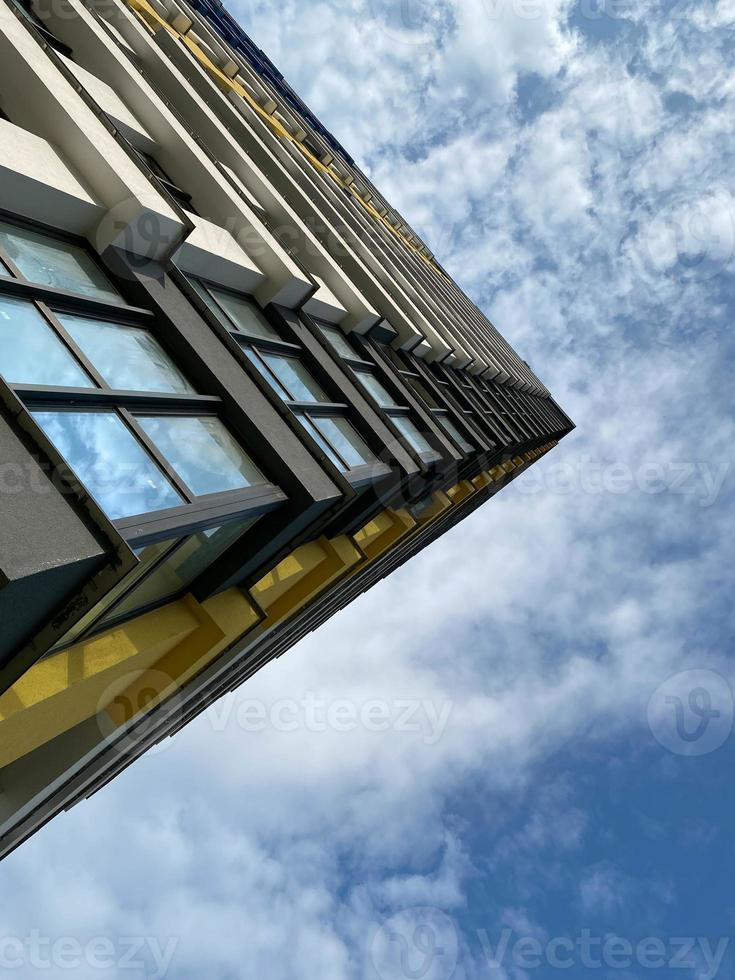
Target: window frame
{"x": 357, "y": 476}
{"x": 362, "y": 367}
{"x": 197, "y": 512}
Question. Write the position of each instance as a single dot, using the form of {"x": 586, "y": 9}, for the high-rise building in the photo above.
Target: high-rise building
{"x": 236, "y": 387}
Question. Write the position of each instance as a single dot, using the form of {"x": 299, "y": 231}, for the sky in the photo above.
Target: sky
{"x": 523, "y": 767}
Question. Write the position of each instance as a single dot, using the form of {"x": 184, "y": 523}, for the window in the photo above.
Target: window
{"x": 365, "y": 371}
{"x": 441, "y": 414}
{"x": 142, "y": 440}
{"x": 51, "y": 262}
{"x": 160, "y": 174}
{"x": 282, "y": 366}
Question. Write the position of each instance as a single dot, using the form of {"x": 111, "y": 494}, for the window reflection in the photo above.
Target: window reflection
{"x": 245, "y": 316}
{"x": 454, "y": 432}
{"x": 50, "y": 262}
{"x": 31, "y": 353}
{"x": 338, "y": 340}
{"x": 407, "y": 429}
{"x": 128, "y": 358}
{"x": 345, "y": 440}
{"x": 295, "y": 378}
{"x": 203, "y": 452}
{"x": 109, "y": 461}
{"x": 180, "y": 569}
{"x": 376, "y": 389}
{"x": 147, "y": 555}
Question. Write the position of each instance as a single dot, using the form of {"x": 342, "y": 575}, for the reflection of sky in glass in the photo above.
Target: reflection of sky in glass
{"x": 321, "y": 441}
{"x": 147, "y": 556}
{"x": 203, "y": 452}
{"x": 44, "y": 260}
{"x": 128, "y": 358}
{"x": 109, "y": 461}
{"x": 345, "y": 440}
{"x": 295, "y": 378}
{"x": 453, "y": 431}
{"x": 376, "y": 389}
{"x": 184, "y": 565}
{"x": 31, "y": 353}
{"x": 340, "y": 343}
{"x": 406, "y": 427}
{"x": 244, "y": 315}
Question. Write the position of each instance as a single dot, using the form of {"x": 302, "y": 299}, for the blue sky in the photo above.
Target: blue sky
{"x": 551, "y": 753}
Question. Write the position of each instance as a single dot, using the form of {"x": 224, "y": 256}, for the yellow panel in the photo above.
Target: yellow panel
{"x": 383, "y": 532}
{"x": 440, "y": 504}
{"x": 161, "y": 649}
{"x": 461, "y": 491}
{"x": 309, "y": 571}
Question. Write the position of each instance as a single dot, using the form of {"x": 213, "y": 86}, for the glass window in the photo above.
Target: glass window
{"x": 109, "y": 461}
{"x": 31, "y": 353}
{"x": 4, "y": 270}
{"x": 451, "y": 428}
{"x": 147, "y": 556}
{"x": 203, "y": 452}
{"x": 50, "y": 262}
{"x": 345, "y": 440}
{"x": 128, "y": 358}
{"x": 295, "y": 378}
{"x": 321, "y": 441}
{"x": 244, "y": 314}
{"x": 181, "y": 568}
{"x": 411, "y": 433}
{"x": 340, "y": 343}
{"x": 376, "y": 389}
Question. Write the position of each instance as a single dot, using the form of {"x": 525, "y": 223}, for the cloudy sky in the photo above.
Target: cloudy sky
{"x": 531, "y": 774}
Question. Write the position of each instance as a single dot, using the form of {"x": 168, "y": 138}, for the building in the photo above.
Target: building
{"x": 236, "y": 388}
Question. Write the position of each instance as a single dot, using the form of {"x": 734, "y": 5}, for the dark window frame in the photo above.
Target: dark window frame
{"x": 357, "y": 476}
{"x": 197, "y": 512}
{"x": 361, "y": 367}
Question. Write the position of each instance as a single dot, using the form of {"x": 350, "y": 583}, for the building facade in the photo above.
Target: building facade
{"x": 236, "y": 388}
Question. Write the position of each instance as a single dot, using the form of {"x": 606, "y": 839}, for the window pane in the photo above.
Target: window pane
{"x": 147, "y": 556}
{"x": 451, "y": 428}
{"x": 321, "y": 441}
{"x": 406, "y": 427}
{"x": 278, "y": 388}
{"x": 338, "y": 340}
{"x": 203, "y": 452}
{"x": 423, "y": 392}
{"x": 128, "y": 358}
{"x": 295, "y": 378}
{"x": 178, "y": 571}
{"x": 345, "y": 439}
{"x": 30, "y": 351}
{"x": 244, "y": 315}
{"x": 109, "y": 461}
{"x": 4, "y": 270}
{"x": 45, "y": 260}
{"x": 376, "y": 389}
